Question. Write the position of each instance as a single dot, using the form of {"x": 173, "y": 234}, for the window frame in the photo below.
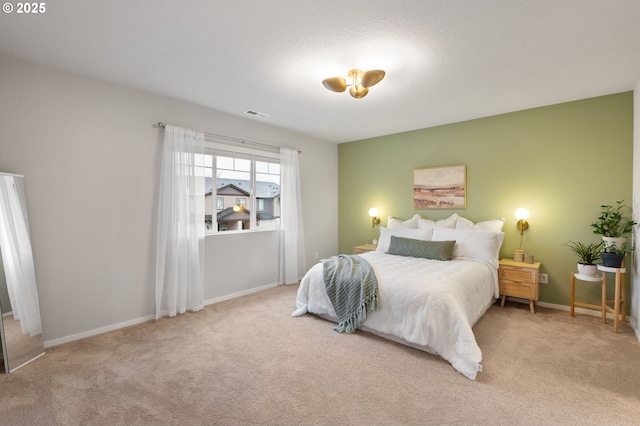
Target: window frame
{"x": 215, "y": 149}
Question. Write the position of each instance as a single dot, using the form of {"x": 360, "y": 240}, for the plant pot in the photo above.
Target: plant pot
{"x": 590, "y": 270}
{"x": 617, "y": 242}
{"x": 612, "y": 260}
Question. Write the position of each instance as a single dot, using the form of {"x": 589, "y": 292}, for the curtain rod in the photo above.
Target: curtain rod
{"x": 232, "y": 139}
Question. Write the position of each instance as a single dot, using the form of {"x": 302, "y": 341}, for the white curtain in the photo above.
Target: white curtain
{"x": 17, "y": 257}
{"x": 180, "y": 245}
{"x": 292, "y": 258}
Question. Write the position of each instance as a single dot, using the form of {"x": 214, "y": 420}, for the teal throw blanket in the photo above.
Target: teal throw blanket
{"x": 352, "y": 288}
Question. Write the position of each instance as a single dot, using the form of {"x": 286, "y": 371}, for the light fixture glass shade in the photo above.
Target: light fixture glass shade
{"x": 373, "y": 212}
{"x": 522, "y": 214}
{"x": 335, "y": 84}
{"x": 372, "y": 77}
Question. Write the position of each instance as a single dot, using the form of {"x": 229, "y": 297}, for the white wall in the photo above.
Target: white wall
{"x": 90, "y": 156}
{"x": 635, "y": 284}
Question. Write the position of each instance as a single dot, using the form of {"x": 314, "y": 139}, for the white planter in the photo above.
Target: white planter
{"x": 614, "y": 241}
{"x": 590, "y": 270}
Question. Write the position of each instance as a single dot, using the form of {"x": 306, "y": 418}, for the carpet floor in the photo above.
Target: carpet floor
{"x": 246, "y": 361}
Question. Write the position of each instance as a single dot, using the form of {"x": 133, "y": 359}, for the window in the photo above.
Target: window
{"x": 238, "y": 181}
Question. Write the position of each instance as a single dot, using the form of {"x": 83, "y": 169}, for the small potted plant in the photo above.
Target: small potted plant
{"x": 612, "y": 226}
{"x": 613, "y": 255}
{"x": 588, "y": 255}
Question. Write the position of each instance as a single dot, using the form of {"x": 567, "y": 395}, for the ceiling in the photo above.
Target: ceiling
{"x": 446, "y": 60}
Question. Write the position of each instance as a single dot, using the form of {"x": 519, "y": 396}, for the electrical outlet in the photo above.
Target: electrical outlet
{"x": 544, "y": 278}
{"x": 316, "y": 255}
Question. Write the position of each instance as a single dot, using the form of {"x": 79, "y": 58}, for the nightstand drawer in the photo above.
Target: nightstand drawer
{"x": 519, "y": 279}
{"x": 519, "y": 289}
{"x": 518, "y": 274}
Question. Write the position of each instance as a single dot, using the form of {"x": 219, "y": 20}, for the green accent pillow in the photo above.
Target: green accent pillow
{"x": 438, "y": 250}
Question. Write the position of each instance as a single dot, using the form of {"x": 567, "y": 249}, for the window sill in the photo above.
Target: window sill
{"x": 245, "y": 231}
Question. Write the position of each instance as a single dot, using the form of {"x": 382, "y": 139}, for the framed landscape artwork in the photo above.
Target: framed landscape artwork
{"x": 440, "y": 188}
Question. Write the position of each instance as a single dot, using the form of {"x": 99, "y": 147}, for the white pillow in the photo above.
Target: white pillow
{"x": 479, "y": 245}
{"x": 493, "y": 225}
{"x": 386, "y": 233}
{"x": 412, "y": 223}
{"x": 449, "y": 222}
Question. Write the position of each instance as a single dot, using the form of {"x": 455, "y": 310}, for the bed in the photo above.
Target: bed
{"x": 424, "y": 302}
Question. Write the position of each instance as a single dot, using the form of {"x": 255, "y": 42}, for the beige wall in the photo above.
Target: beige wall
{"x": 90, "y": 155}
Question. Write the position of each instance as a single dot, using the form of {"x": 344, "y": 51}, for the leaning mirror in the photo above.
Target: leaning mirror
{"x": 20, "y": 326}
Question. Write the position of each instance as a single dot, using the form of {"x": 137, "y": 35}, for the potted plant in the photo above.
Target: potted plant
{"x": 612, "y": 226}
{"x": 588, "y": 255}
{"x": 613, "y": 255}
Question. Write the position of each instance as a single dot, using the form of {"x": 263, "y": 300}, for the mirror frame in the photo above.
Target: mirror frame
{"x": 21, "y": 342}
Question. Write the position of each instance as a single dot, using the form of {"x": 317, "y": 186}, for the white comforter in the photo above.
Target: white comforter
{"x": 428, "y": 304}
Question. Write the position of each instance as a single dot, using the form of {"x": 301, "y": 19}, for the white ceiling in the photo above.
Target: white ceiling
{"x": 446, "y": 60}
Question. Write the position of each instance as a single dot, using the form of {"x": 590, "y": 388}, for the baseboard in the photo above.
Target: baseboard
{"x": 582, "y": 311}
{"x": 239, "y": 294}
{"x": 96, "y": 331}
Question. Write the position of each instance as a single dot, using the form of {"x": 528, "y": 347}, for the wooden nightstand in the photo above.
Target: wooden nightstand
{"x": 363, "y": 248}
{"x": 519, "y": 279}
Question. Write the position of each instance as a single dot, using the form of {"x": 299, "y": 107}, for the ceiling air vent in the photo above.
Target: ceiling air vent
{"x": 257, "y": 114}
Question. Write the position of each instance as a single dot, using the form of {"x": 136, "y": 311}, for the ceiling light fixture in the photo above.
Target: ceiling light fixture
{"x": 359, "y": 82}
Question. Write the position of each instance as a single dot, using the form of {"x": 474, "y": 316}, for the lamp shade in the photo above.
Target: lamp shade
{"x": 373, "y": 212}
{"x": 522, "y": 214}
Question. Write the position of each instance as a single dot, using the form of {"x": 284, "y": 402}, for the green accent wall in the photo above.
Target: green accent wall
{"x": 561, "y": 162}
